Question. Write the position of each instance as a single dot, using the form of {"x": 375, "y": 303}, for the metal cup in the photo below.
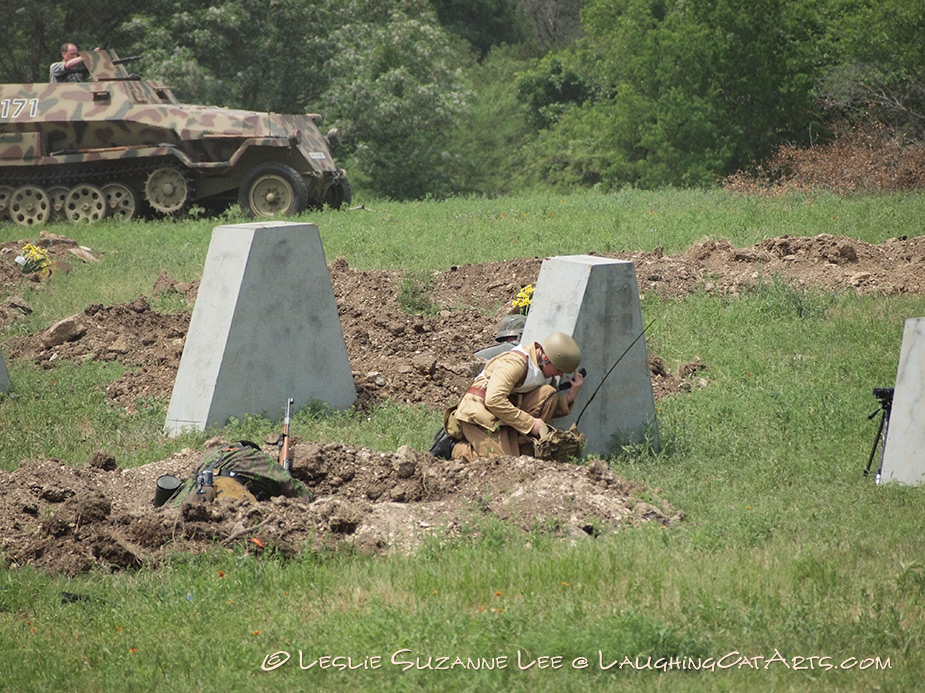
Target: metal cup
{"x": 166, "y": 486}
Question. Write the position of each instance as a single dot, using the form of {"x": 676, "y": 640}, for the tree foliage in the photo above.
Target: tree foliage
{"x": 243, "y": 53}
{"x": 34, "y": 31}
{"x": 690, "y": 90}
{"x": 396, "y": 89}
{"x": 551, "y": 89}
{"x": 877, "y": 72}
{"x": 487, "y": 144}
{"x": 554, "y": 24}
{"x": 483, "y": 23}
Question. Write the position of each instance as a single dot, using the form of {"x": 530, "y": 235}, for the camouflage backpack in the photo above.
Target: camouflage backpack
{"x": 259, "y": 473}
{"x": 559, "y": 446}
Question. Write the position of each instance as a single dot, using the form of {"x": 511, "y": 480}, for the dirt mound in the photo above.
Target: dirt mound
{"x": 416, "y": 359}
{"x": 428, "y": 358}
{"x": 823, "y": 262}
{"x": 64, "y": 519}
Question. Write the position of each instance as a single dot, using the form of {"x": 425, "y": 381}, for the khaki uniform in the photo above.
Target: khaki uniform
{"x": 494, "y": 418}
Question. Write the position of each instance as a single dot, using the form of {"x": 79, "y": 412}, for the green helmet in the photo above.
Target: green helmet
{"x": 562, "y": 351}
{"x": 510, "y": 326}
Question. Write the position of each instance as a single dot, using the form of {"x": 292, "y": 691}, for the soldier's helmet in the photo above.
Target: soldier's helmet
{"x": 510, "y": 326}
{"x": 562, "y": 351}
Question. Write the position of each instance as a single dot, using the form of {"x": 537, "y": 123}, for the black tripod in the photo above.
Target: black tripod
{"x": 885, "y": 395}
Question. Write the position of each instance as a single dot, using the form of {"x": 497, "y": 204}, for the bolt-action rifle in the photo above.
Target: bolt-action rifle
{"x": 285, "y": 451}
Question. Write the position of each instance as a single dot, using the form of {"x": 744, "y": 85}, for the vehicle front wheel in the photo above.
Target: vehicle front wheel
{"x": 273, "y": 190}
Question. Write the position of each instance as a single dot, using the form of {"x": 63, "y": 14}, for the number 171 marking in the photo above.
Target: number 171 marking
{"x": 18, "y": 106}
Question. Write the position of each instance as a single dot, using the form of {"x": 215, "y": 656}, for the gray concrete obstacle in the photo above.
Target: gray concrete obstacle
{"x": 904, "y": 454}
{"x": 4, "y": 375}
{"x": 264, "y": 328}
{"x": 596, "y": 300}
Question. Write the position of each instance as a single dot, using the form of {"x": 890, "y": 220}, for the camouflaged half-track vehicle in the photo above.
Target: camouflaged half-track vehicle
{"x": 116, "y": 145}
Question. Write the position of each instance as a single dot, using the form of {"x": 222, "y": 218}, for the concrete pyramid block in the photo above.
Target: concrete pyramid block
{"x": 596, "y": 300}
{"x": 904, "y": 455}
{"x": 264, "y": 328}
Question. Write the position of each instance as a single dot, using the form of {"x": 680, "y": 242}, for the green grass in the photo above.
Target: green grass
{"x": 469, "y": 230}
{"x": 64, "y": 413}
{"x": 785, "y": 550}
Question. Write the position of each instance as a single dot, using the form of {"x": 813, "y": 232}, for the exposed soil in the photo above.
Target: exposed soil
{"x": 67, "y": 519}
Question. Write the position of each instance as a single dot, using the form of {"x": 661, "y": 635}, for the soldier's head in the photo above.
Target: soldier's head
{"x": 510, "y": 328}
{"x": 559, "y": 354}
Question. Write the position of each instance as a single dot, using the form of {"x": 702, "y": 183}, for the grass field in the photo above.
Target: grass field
{"x": 789, "y": 572}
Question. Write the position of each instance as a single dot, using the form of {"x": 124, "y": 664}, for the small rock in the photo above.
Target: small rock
{"x": 599, "y": 469}
{"x": 103, "y": 460}
{"x": 84, "y": 254}
{"x": 55, "y": 494}
{"x": 848, "y": 252}
{"x": 405, "y": 463}
{"x": 68, "y": 329}
{"x": 121, "y": 345}
{"x": 17, "y": 303}
{"x": 425, "y": 363}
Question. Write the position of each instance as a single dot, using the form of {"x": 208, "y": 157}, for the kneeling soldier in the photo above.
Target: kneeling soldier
{"x": 513, "y": 398}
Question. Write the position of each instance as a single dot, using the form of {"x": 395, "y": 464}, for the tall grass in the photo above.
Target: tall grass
{"x": 785, "y": 550}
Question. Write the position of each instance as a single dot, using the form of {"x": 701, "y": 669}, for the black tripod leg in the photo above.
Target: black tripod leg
{"x": 886, "y": 431}
{"x": 873, "y": 450}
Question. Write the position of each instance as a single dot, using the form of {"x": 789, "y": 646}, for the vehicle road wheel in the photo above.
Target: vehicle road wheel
{"x": 85, "y": 202}
{"x": 6, "y": 192}
{"x": 120, "y": 200}
{"x": 29, "y": 206}
{"x": 167, "y": 190}
{"x": 339, "y": 193}
{"x": 272, "y": 190}
{"x": 57, "y": 194}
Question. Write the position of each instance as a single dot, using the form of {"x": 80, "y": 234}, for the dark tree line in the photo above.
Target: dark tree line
{"x": 447, "y": 97}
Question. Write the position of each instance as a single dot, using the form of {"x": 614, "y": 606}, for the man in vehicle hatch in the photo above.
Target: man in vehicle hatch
{"x": 70, "y": 68}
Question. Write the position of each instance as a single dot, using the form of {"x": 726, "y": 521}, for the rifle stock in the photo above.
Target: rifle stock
{"x": 285, "y": 451}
